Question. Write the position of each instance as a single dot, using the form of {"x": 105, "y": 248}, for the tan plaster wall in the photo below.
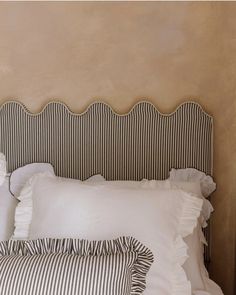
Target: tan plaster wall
{"x": 122, "y": 52}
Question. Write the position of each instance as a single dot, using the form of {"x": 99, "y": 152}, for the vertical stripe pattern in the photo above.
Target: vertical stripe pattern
{"x": 74, "y": 267}
{"x": 141, "y": 144}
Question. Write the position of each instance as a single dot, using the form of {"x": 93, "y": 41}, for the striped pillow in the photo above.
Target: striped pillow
{"x": 69, "y": 266}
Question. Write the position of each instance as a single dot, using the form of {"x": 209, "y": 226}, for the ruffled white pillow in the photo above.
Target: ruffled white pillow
{"x": 7, "y": 203}
{"x": 20, "y": 176}
{"x": 194, "y": 265}
{"x": 7, "y": 211}
{"x": 15, "y": 181}
{"x": 198, "y": 183}
{"x": 19, "y": 179}
{"x": 207, "y": 184}
{"x": 158, "y": 216}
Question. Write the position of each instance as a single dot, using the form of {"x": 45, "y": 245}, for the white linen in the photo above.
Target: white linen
{"x": 22, "y": 174}
{"x": 194, "y": 265}
{"x": 7, "y": 211}
{"x": 192, "y": 181}
{"x": 195, "y": 268}
{"x": 23, "y": 212}
{"x": 7, "y": 203}
{"x": 206, "y": 182}
{"x": 159, "y": 218}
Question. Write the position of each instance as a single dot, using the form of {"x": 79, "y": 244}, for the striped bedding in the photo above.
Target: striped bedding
{"x": 74, "y": 267}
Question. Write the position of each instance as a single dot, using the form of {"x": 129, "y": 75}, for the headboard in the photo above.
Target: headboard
{"x": 143, "y": 143}
{"x": 140, "y": 144}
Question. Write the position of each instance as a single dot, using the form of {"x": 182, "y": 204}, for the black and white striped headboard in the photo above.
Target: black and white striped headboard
{"x": 140, "y": 144}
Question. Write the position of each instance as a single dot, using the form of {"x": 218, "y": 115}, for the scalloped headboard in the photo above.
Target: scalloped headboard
{"x": 140, "y": 144}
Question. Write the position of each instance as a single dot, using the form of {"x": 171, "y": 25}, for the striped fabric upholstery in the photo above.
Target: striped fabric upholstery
{"x": 141, "y": 144}
{"x": 73, "y": 267}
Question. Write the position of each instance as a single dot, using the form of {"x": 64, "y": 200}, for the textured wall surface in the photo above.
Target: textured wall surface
{"x": 123, "y": 52}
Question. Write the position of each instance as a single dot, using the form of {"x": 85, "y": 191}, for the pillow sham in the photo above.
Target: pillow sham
{"x": 23, "y": 211}
{"x": 21, "y": 175}
{"x": 191, "y": 181}
{"x": 7, "y": 211}
{"x": 7, "y": 203}
{"x": 74, "y": 267}
{"x": 16, "y": 181}
{"x": 194, "y": 265}
{"x": 206, "y": 182}
{"x": 159, "y": 218}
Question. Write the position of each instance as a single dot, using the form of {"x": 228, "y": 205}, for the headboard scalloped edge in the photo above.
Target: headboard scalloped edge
{"x": 180, "y": 139}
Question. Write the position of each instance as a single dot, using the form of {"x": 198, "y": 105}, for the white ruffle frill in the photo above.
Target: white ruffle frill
{"x": 190, "y": 214}
{"x": 208, "y": 186}
{"x": 23, "y": 212}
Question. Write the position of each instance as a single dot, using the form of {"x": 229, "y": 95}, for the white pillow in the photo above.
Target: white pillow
{"x": 7, "y": 211}
{"x": 194, "y": 265}
{"x": 23, "y": 212}
{"x": 206, "y": 182}
{"x": 192, "y": 181}
{"x": 21, "y": 175}
{"x": 159, "y": 218}
{"x": 7, "y": 201}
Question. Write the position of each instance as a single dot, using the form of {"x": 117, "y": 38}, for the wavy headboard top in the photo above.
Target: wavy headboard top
{"x": 143, "y": 143}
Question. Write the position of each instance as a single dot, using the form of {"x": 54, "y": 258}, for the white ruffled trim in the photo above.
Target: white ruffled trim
{"x": 24, "y": 209}
{"x": 207, "y": 209}
{"x": 20, "y": 176}
{"x": 180, "y": 283}
{"x": 190, "y": 214}
{"x": 3, "y": 168}
{"x": 208, "y": 186}
{"x": 211, "y": 288}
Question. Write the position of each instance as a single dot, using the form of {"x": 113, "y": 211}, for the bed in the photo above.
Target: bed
{"x": 141, "y": 146}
